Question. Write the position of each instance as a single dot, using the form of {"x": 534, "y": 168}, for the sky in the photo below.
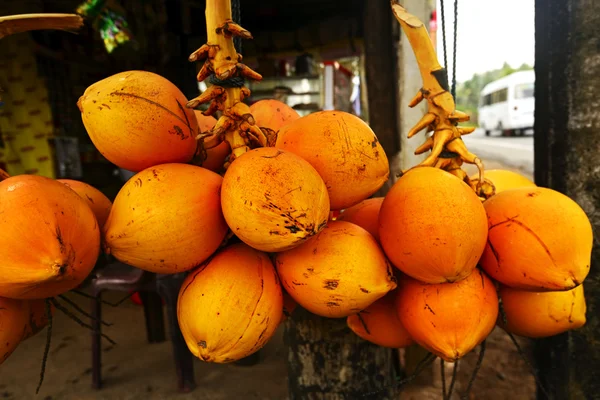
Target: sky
{"x": 490, "y": 32}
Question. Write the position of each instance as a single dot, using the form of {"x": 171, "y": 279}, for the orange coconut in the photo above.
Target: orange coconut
{"x": 138, "y": 119}
{"x": 504, "y": 180}
{"x": 230, "y": 306}
{"x": 379, "y": 324}
{"x": 539, "y": 239}
{"x": 448, "y": 319}
{"x": 432, "y": 226}
{"x": 14, "y": 315}
{"x": 343, "y": 149}
{"x": 50, "y": 238}
{"x": 215, "y": 156}
{"x": 339, "y": 272}
{"x": 273, "y": 200}
{"x": 166, "y": 219}
{"x": 98, "y": 202}
{"x": 271, "y": 115}
{"x": 38, "y": 317}
{"x": 542, "y": 314}
{"x": 364, "y": 214}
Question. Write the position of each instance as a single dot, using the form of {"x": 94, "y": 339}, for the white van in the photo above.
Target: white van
{"x": 507, "y": 104}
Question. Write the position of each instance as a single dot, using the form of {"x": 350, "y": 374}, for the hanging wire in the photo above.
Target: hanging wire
{"x": 454, "y": 36}
{"x": 453, "y": 90}
{"x": 443, "y": 374}
{"x": 444, "y": 34}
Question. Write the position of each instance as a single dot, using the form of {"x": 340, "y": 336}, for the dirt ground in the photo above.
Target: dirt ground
{"x": 136, "y": 370}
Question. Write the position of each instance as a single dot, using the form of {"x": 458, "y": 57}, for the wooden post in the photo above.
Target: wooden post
{"x": 328, "y": 361}
{"x": 381, "y": 72}
{"x": 567, "y": 159}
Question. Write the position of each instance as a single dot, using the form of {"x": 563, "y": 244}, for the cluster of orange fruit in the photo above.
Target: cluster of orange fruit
{"x": 527, "y": 248}
{"x": 296, "y": 223}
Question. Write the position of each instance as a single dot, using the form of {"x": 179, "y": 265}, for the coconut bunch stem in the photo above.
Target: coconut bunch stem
{"x": 225, "y": 72}
{"x": 448, "y": 150}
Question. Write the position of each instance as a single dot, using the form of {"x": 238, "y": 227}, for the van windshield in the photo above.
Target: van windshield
{"x": 524, "y": 91}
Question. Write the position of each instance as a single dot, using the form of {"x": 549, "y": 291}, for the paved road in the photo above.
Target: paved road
{"x": 516, "y": 152}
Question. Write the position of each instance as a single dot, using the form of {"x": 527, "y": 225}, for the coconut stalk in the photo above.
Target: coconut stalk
{"x": 12, "y": 24}
{"x": 223, "y": 69}
{"x": 448, "y": 150}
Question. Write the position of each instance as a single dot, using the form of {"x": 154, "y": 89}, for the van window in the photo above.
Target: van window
{"x": 524, "y": 91}
{"x": 499, "y": 96}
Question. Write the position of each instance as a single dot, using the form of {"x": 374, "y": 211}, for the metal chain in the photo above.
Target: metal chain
{"x": 453, "y": 90}
{"x": 236, "y": 16}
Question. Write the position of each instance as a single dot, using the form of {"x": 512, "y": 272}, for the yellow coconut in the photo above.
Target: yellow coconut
{"x": 98, "y": 202}
{"x": 343, "y": 149}
{"x": 271, "y": 115}
{"x": 379, "y": 324}
{"x": 339, "y": 272}
{"x": 503, "y": 179}
{"x": 542, "y": 314}
{"x": 273, "y": 200}
{"x": 166, "y": 219}
{"x": 539, "y": 239}
{"x": 448, "y": 319}
{"x": 432, "y": 226}
{"x": 138, "y": 119}
{"x": 364, "y": 214}
{"x": 50, "y": 238}
{"x": 230, "y": 307}
{"x": 14, "y": 315}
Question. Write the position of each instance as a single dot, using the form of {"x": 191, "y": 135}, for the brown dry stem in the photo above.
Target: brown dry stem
{"x": 236, "y": 124}
{"x": 448, "y": 151}
{"x": 12, "y": 24}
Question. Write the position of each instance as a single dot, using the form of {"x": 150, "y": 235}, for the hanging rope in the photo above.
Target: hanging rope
{"x": 444, "y": 34}
{"x": 453, "y": 90}
{"x": 236, "y": 16}
{"x": 454, "y": 34}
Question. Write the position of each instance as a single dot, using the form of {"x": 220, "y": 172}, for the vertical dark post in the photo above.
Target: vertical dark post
{"x": 567, "y": 159}
{"x": 328, "y": 361}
